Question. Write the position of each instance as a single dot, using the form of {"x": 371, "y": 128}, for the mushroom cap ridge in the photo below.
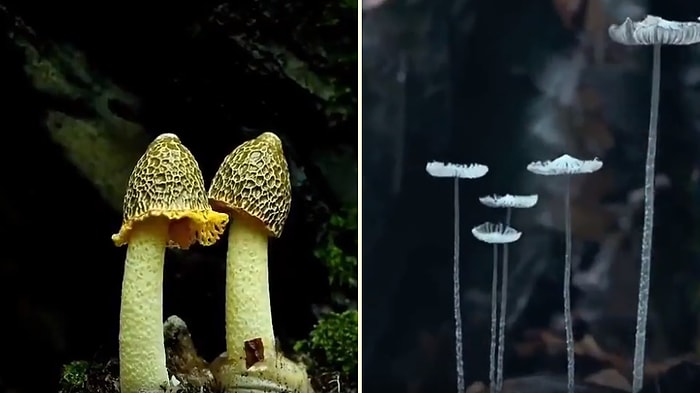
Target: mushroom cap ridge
{"x": 167, "y": 182}
{"x": 254, "y": 181}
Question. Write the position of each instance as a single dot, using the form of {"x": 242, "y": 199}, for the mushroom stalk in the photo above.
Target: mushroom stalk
{"x": 141, "y": 343}
{"x": 645, "y": 270}
{"x": 248, "y": 311}
{"x": 568, "y": 324}
{"x": 494, "y": 320}
{"x": 496, "y": 234}
{"x": 504, "y": 305}
{"x": 459, "y": 356}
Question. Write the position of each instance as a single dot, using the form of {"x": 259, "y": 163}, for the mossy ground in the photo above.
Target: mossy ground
{"x": 96, "y": 377}
{"x": 85, "y": 377}
{"x": 82, "y": 377}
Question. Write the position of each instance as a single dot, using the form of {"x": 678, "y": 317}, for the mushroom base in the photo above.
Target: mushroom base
{"x": 141, "y": 342}
{"x": 277, "y": 374}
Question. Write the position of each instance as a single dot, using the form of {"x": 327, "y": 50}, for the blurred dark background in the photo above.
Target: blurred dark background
{"x": 505, "y": 83}
{"x": 86, "y": 86}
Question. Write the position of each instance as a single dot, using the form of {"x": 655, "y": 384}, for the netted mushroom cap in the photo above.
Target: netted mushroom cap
{"x": 254, "y": 180}
{"x": 167, "y": 182}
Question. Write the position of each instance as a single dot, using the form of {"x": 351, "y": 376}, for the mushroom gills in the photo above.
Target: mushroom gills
{"x": 142, "y": 356}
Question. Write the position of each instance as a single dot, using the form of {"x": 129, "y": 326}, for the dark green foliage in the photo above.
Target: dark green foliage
{"x": 338, "y": 248}
{"x": 74, "y": 376}
{"x": 332, "y": 344}
{"x": 335, "y": 336}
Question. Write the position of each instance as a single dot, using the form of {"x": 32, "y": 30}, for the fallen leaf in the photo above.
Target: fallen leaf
{"x": 254, "y": 352}
{"x": 610, "y": 378}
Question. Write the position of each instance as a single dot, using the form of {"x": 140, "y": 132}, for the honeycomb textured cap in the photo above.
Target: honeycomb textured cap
{"x": 167, "y": 182}
{"x": 254, "y": 180}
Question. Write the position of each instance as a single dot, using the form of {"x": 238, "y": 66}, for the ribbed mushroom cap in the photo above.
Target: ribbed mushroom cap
{"x": 254, "y": 181}
{"x": 655, "y": 31}
{"x": 167, "y": 182}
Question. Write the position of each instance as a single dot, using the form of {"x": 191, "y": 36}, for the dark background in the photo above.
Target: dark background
{"x": 100, "y": 80}
{"x": 505, "y": 83}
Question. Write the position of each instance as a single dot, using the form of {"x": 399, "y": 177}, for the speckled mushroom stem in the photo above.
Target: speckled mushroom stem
{"x": 248, "y": 311}
{"x": 504, "y": 305}
{"x": 141, "y": 343}
{"x": 640, "y": 335}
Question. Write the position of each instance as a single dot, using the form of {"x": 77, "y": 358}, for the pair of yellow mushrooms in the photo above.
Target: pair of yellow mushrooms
{"x": 166, "y": 205}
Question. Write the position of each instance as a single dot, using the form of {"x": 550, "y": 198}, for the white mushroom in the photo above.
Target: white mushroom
{"x": 508, "y": 202}
{"x": 567, "y": 166}
{"x": 653, "y": 31}
{"x": 457, "y": 171}
{"x": 496, "y": 234}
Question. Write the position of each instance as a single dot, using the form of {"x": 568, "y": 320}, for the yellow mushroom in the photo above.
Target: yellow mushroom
{"x": 165, "y": 205}
{"x": 252, "y": 185}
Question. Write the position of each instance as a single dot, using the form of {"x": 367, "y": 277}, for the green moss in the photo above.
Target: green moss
{"x": 338, "y": 248}
{"x": 74, "y": 376}
{"x": 330, "y": 351}
{"x": 335, "y": 338}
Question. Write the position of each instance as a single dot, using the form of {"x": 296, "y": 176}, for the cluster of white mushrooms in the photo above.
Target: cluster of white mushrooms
{"x": 652, "y": 31}
{"x": 503, "y": 234}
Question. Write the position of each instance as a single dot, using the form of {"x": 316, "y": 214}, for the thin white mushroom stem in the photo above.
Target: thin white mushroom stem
{"x": 568, "y": 325}
{"x": 567, "y": 165}
{"x": 248, "y": 311}
{"x": 141, "y": 342}
{"x": 645, "y": 269}
{"x": 502, "y": 318}
{"x": 457, "y": 307}
{"x": 457, "y": 171}
{"x": 494, "y": 319}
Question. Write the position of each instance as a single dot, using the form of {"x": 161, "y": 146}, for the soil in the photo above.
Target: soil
{"x": 186, "y": 366}
{"x": 104, "y": 378}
